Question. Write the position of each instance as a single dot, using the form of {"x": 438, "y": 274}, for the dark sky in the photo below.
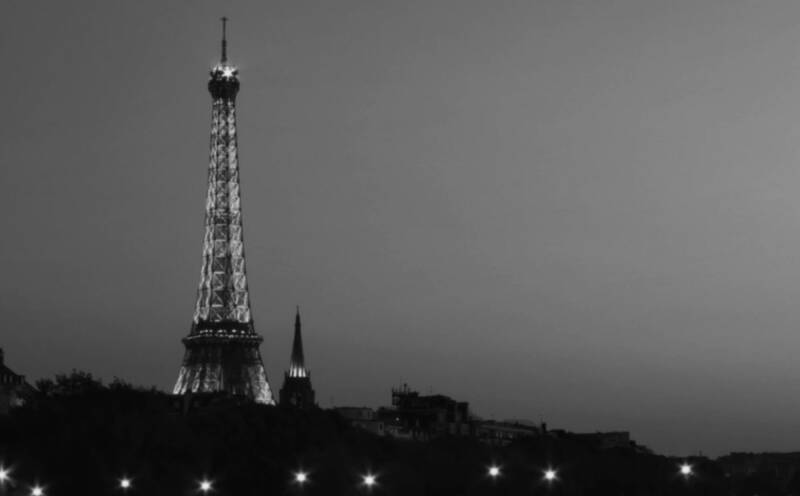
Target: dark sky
{"x": 580, "y": 211}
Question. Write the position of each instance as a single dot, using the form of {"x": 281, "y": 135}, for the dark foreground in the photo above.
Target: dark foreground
{"x": 79, "y": 437}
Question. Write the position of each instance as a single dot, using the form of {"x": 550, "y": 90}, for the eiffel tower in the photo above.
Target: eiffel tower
{"x": 222, "y": 346}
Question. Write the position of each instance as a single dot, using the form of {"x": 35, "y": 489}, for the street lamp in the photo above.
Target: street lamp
{"x": 369, "y": 480}
{"x": 550, "y": 475}
{"x": 4, "y": 474}
{"x": 494, "y": 471}
{"x": 686, "y": 470}
{"x": 37, "y": 491}
{"x": 300, "y": 477}
{"x": 124, "y": 483}
{"x": 205, "y": 485}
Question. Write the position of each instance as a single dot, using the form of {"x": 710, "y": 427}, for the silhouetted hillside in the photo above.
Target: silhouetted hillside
{"x": 77, "y": 436}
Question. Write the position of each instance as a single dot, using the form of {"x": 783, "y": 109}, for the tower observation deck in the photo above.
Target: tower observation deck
{"x": 222, "y": 348}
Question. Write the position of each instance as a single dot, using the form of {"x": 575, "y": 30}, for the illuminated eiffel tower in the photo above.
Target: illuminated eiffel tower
{"x": 222, "y": 347}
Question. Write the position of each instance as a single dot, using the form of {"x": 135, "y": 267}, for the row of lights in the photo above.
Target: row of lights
{"x": 204, "y": 485}
{"x": 5, "y": 476}
{"x": 369, "y": 480}
{"x": 549, "y": 475}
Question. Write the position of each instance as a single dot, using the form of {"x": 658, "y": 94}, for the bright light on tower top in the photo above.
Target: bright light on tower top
{"x": 494, "y": 471}
{"x": 205, "y": 486}
{"x": 3, "y": 474}
{"x": 549, "y": 475}
{"x": 224, "y": 70}
{"x": 124, "y": 483}
{"x": 37, "y": 491}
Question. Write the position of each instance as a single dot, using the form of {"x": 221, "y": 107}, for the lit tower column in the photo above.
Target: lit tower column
{"x": 296, "y": 390}
{"x": 222, "y": 347}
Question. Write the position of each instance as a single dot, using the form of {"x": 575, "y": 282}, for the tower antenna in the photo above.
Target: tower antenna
{"x": 224, "y": 41}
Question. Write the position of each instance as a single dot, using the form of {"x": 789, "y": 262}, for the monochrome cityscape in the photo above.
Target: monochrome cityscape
{"x": 224, "y": 428}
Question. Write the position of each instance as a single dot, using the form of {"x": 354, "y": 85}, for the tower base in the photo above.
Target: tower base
{"x": 224, "y": 363}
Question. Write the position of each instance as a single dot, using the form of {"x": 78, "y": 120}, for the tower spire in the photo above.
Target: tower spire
{"x": 297, "y": 367}
{"x": 296, "y": 391}
{"x": 224, "y": 42}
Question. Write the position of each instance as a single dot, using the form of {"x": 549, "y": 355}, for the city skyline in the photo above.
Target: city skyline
{"x": 574, "y": 212}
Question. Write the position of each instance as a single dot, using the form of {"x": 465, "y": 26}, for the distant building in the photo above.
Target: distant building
{"x": 362, "y": 417}
{"x": 13, "y": 387}
{"x": 783, "y": 468}
{"x": 413, "y": 416}
{"x": 356, "y": 413}
{"x": 605, "y": 440}
{"x": 296, "y": 391}
{"x": 416, "y": 417}
{"x": 423, "y": 417}
{"x": 503, "y": 433}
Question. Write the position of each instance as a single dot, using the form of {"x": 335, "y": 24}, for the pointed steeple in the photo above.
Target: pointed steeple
{"x": 296, "y": 391}
{"x": 297, "y": 366}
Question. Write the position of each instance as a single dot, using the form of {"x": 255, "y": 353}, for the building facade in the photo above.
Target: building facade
{"x": 13, "y": 387}
{"x": 418, "y": 416}
{"x": 363, "y": 417}
{"x": 504, "y": 433}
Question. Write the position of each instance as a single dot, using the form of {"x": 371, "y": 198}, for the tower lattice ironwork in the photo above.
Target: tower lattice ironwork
{"x": 222, "y": 348}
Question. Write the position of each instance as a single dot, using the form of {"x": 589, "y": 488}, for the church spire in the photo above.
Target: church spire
{"x": 296, "y": 391}
{"x": 297, "y": 366}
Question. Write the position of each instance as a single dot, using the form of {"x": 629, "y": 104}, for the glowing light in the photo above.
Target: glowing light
{"x": 301, "y": 477}
{"x": 686, "y": 470}
{"x": 125, "y": 483}
{"x": 4, "y": 474}
{"x": 550, "y": 475}
{"x": 370, "y": 480}
{"x": 494, "y": 471}
{"x": 205, "y": 486}
{"x": 295, "y": 371}
{"x": 225, "y": 71}
{"x": 37, "y": 491}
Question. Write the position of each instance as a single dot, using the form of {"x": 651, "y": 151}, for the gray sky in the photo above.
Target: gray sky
{"x": 581, "y": 211}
